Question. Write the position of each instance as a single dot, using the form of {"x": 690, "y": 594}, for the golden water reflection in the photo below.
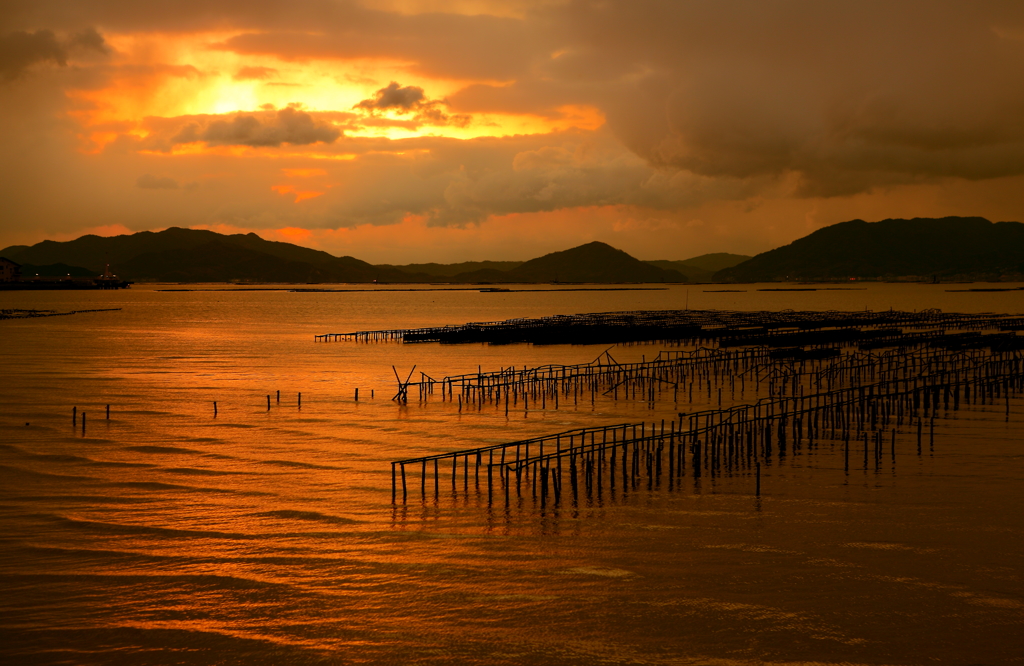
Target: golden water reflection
{"x": 168, "y": 535}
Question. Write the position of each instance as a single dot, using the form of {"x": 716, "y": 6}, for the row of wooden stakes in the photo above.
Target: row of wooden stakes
{"x": 731, "y": 440}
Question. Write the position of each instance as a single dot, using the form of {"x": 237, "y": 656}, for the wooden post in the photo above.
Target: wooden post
{"x": 490, "y": 468}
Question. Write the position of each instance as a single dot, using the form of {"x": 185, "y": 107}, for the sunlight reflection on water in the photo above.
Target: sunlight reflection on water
{"x": 168, "y": 535}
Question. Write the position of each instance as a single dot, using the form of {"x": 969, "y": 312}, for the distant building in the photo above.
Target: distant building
{"x": 9, "y": 271}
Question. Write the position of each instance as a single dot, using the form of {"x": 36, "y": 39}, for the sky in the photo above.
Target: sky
{"x": 401, "y": 131}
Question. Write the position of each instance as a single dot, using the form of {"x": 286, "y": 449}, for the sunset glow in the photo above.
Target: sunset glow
{"x": 161, "y": 77}
{"x": 340, "y": 115}
{"x": 511, "y": 332}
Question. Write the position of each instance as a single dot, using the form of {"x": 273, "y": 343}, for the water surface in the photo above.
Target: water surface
{"x": 165, "y": 535}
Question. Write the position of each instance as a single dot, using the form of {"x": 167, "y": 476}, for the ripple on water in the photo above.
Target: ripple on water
{"x": 162, "y": 449}
{"x": 130, "y": 529}
{"x": 606, "y": 572}
{"x": 198, "y": 471}
{"x": 106, "y": 463}
{"x": 45, "y": 457}
{"x": 80, "y": 499}
{"x": 313, "y": 516}
{"x": 157, "y": 487}
{"x": 295, "y": 463}
{"x": 22, "y": 472}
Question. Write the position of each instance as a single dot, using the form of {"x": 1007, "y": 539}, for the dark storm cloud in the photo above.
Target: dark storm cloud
{"x": 289, "y": 125}
{"x": 20, "y": 50}
{"x": 847, "y": 95}
{"x": 406, "y": 100}
{"x": 395, "y": 96}
{"x": 88, "y": 39}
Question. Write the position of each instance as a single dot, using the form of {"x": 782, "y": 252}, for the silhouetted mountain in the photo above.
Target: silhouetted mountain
{"x": 946, "y": 247}
{"x": 593, "y": 262}
{"x": 702, "y": 268}
{"x": 193, "y": 255}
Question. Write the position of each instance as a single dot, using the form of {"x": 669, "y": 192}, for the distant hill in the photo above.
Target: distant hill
{"x": 702, "y": 268}
{"x": 593, "y": 262}
{"x": 194, "y": 255}
{"x": 970, "y": 247}
{"x": 94, "y": 252}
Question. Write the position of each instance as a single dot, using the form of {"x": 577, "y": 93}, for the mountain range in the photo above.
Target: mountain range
{"x": 919, "y": 248}
{"x": 190, "y": 255}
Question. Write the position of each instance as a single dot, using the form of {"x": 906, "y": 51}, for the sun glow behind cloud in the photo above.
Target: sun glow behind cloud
{"x": 157, "y": 76}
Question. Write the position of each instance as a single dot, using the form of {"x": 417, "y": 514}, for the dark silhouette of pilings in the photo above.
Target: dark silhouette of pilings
{"x": 671, "y": 372}
{"x": 732, "y": 440}
{"x": 678, "y": 375}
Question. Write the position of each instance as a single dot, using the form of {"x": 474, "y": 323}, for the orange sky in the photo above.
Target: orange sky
{"x": 424, "y": 130}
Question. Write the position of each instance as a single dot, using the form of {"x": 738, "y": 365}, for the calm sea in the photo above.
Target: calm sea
{"x": 167, "y": 536}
